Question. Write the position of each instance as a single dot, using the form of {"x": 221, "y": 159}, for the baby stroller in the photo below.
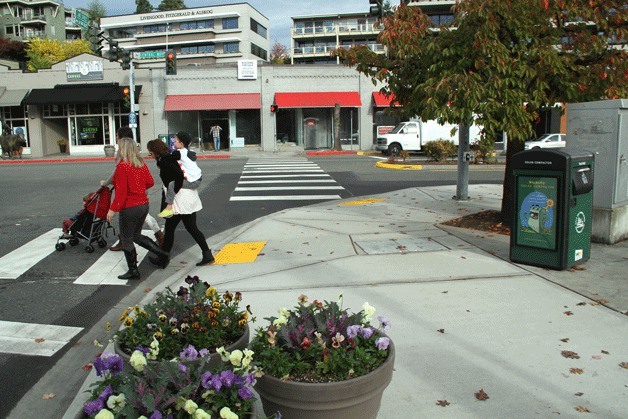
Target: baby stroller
{"x": 91, "y": 224}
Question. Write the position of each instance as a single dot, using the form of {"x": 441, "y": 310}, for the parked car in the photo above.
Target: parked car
{"x": 547, "y": 141}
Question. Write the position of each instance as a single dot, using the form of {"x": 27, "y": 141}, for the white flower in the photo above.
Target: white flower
{"x": 104, "y": 414}
{"x": 224, "y": 355}
{"x": 201, "y": 414}
{"x": 368, "y": 312}
{"x": 190, "y": 407}
{"x": 279, "y": 321}
{"x": 248, "y": 357}
{"x": 226, "y": 413}
{"x": 154, "y": 349}
{"x": 116, "y": 403}
{"x": 138, "y": 361}
{"x": 284, "y": 312}
{"x": 236, "y": 358}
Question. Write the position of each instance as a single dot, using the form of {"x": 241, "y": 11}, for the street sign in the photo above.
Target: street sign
{"x": 148, "y": 55}
{"x": 81, "y": 18}
{"x": 132, "y": 120}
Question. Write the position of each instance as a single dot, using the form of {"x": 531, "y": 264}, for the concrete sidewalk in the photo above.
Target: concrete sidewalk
{"x": 464, "y": 317}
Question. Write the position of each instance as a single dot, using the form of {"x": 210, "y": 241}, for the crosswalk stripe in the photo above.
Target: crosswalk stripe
{"x": 286, "y": 188}
{"x": 34, "y": 339}
{"x": 289, "y": 170}
{"x": 106, "y": 269}
{"x": 248, "y": 182}
{"x": 20, "y": 260}
{"x": 284, "y": 197}
{"x": 264, "y": 176}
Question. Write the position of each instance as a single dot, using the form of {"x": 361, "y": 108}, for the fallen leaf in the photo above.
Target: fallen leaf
{"x": 582, "y": 409}
{"x": 570, "y": 354}
{"x": 605, "y": 352}
{"x": 481, "y": 395}
{"x": 578, "y": 394}
{"x": 147, "y": 290}
{"x": 581, "y": 303}
{"x": 568, "y": 313}
{"x": 444, "y": 292}
{"x": 87, "y": 367}
{"x": 441, "y": 330}
{"x": 599, "y": 302}
{"x": 462, "y": 257}
{"x": 442, "y": 403}
{"x": 624, "y": 365}
{"x": 576, "y": 370}
{"x": 596, "y": 356}
{"x": 48, "y": 396}
{"x": 40, "y": 340}
{"x": 565, "y": 340}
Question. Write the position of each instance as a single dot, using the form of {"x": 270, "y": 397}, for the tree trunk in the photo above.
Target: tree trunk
{"x": 514, "y": 145}
{"x": 337, "y": 145}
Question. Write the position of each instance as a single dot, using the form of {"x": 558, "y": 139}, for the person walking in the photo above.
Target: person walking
{"x": 150, "y": 220}
{"x": 215, "y": 131}
{"x": 130, "y": 180}
{"x": 186, "y": 204}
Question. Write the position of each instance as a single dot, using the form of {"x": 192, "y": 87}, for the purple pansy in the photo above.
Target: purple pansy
{"x": 382, "y": 343}
{"x": 352, "y": 331}
{"x": 93, "y": 407}
{"x": 366, "y": 332}
{"x": 189, "y": 354}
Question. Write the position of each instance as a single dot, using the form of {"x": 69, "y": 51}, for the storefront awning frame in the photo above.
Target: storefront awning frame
{"x": 213, "y": 102}
{"x": 287, "y": 100}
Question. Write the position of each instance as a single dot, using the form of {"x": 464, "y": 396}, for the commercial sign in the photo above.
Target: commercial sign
{"x": 84, "y": 70}
{"x": 247, "y": 69}
{"x": 536, "y": 210}
{"x": 81, "y": 18}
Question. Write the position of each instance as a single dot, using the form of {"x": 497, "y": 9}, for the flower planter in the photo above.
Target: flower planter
{"x": 110, "y": 151}
{"x": 214, "y": 361}
{"x": 358, "y": 398}
{"x": 63, "y": 148}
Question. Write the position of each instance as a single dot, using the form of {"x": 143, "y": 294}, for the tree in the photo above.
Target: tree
{"x": 143, "y": 6}
{"x": 96, "y": 10}
{"x": 279, "y": 54}
{"x": 500, "y": 63}
{"x": 12, "y": 50}
{"x": 43, "y": 53}
{"x": 171, "y": 5}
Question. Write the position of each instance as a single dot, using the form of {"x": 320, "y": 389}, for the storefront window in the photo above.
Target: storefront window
{"x": 248, "y": 126}
{"x": 89, "y": 130}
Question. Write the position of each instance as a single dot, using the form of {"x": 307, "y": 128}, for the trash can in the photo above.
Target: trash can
{"x": 553, "y": 195}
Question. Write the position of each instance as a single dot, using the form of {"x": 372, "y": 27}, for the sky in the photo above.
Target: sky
{"x": 278, "y": 12}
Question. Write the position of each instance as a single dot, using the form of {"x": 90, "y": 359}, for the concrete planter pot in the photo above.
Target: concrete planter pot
{"x": 214, "y": 359}
{"x": 110, "y": 151}
{"x": 358, "y": 398}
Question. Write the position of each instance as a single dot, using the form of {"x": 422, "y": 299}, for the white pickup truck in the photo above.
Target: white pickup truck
{"x": 411, "y": 135}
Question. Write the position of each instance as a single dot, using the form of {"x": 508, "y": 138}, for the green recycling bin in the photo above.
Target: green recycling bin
{"x": 553, "y": 195}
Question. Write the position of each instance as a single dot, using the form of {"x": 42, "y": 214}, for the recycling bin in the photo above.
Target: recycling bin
{"x": 553, "y": 195}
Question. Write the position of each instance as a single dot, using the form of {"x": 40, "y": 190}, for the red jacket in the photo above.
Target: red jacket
{"x": 130, "y": 185}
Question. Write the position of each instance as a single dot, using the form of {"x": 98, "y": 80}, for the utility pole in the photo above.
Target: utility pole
{"x": 132, "y": 114}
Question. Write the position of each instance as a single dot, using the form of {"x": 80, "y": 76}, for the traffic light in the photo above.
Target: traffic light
{"x": 377, "y": 8}
{"x": 274, "y": 108}
{"x": 126, "y": 59}
{"x": 114, "y": 51}
{"x": 171, "y": 63}
{"x": 95, "y": 40}
{"x": 126, "y": 96}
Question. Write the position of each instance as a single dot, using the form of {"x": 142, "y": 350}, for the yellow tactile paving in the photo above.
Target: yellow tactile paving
{"x": 239, "y": 252}
{"x": 363, "y": 201}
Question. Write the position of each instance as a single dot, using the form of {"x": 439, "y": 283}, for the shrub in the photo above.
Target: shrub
{"x": 484, "y": 150}
{"x": 440, "y": 149}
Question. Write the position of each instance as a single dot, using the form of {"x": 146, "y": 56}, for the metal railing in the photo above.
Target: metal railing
{"x": 327, "y": 49}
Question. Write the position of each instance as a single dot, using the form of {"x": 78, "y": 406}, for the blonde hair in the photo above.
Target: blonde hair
{"x": 128, "y": 151}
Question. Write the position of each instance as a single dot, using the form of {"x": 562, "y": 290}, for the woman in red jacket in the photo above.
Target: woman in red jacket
{"x": 131, "y": 179}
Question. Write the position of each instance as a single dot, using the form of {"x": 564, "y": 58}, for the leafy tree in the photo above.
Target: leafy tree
{"x": 96, "y": 10}
{"x": 279, "y": 54}
{"x": 500, "y": 63}
{"x": 143, "y": 6}
{"x": 43, "y": 53}
{"x": 12, "y": 50}
{"x": 171, "y": 5}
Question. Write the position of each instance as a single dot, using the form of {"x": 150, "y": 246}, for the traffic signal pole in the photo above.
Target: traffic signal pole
{"x": 132, "y": 97}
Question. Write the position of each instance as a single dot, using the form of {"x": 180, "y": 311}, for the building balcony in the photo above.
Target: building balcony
{"x": 325, "y": 51}
{"x": 335, "y": 30}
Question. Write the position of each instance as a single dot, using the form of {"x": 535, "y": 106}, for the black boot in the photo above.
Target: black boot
{"x": 207, "y": 258}
{"x": 131, "y": 262}
{"x": 151, "y": 246}
{"x": 160, "y": 262}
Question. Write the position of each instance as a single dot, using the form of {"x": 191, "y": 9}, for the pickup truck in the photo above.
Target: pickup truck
{"x": 411, "y": 135}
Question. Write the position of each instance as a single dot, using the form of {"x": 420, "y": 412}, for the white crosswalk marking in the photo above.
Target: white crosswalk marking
{"x": 14, "y": 264}
{"x": 34, "y": 339}
{"x": 295, "y": 179}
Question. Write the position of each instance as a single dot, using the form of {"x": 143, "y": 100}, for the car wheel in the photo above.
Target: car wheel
{"x": 394, "y": 149}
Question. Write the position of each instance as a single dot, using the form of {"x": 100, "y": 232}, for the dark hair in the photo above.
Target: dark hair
{"x": 185, "y": 138}
{"x": 158, "y": 147}
{"x": 124, "y": 132}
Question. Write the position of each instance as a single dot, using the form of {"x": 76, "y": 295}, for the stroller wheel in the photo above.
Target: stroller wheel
{"x": 102, "y": 243}
{"x": 89, "y": 249}
{"x": 73, "y": 241}
{"x": 60, "y": 246}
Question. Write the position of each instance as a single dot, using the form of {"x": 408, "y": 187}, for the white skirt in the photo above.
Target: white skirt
{"x": 186, "y": 201}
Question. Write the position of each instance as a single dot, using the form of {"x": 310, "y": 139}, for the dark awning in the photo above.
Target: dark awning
{"x": 66, "y": 94}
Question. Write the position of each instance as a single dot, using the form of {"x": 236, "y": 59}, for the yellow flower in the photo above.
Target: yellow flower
{"x": 248, "y": 357}
{"x": 158, "y": 335}
{"x": 236, "y": 357}
{"x": 226, "y": 413}
{"x": 104, "y": 414}
{"x": 216, "y": 305}
{"x": 174, "y": 331}
{"x": 128, "y": 322}
{"x": 368, "y": 311}
{"x": 190, "y": 407}
{"x": 116, "y": 403}
{"x": 163, "y": 318}
{"x": 138, "y": 361}
{"x": 125, "y": 313}
{"x": 201, "y": 414}
{"x": 224, "y": 355}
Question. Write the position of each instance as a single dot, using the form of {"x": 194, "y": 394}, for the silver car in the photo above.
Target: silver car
{"x": 547, "y": 141}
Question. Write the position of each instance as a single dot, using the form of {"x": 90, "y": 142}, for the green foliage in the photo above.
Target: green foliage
{"x": 484, "y": 150}
{"x": 197, "y": 316}
{"x": 171, "y": 5}
{"x": 43, "y": 53}
{"x": 143, "y": 6}
{"x": 320, "y": 342}
{"x": 96, "y": 10}
{"x": 183, "y": 387}
{"x": 440, "y": 149}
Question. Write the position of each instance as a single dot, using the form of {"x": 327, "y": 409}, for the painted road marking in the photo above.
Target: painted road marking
{"x": 246, "y": 182}
{"x": 287, "y": 188}
{"x": 363, "y": 201}
{"x": 283, "y": 176}
{"x": 284, "y": 197}
{"x": 34, "y": 339}
{"x": 20, "y": 260}
{"x": 239, "y": 252}
{"x": 106, "y": 269}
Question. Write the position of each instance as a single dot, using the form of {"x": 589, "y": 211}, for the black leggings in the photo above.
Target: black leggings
{"x": 131, "y": 221}
{"x": 189, "y": 222}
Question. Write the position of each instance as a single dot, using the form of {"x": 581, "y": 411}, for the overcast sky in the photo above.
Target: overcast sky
{"x": 278, "y": 12}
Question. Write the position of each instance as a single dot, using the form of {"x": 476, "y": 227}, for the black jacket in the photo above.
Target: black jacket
{"x": 169, "y": 171}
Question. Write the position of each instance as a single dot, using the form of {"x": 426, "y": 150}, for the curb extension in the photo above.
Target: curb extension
{"x": 383, "y": 165}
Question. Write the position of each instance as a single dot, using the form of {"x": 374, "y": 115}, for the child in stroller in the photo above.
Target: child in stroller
{"x": 89, "y": 223}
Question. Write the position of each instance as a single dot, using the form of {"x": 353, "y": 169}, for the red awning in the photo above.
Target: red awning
{"x": 215, "y": 102}
{"x": 383, "y": 101}
{"x": 317, "y": 99}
